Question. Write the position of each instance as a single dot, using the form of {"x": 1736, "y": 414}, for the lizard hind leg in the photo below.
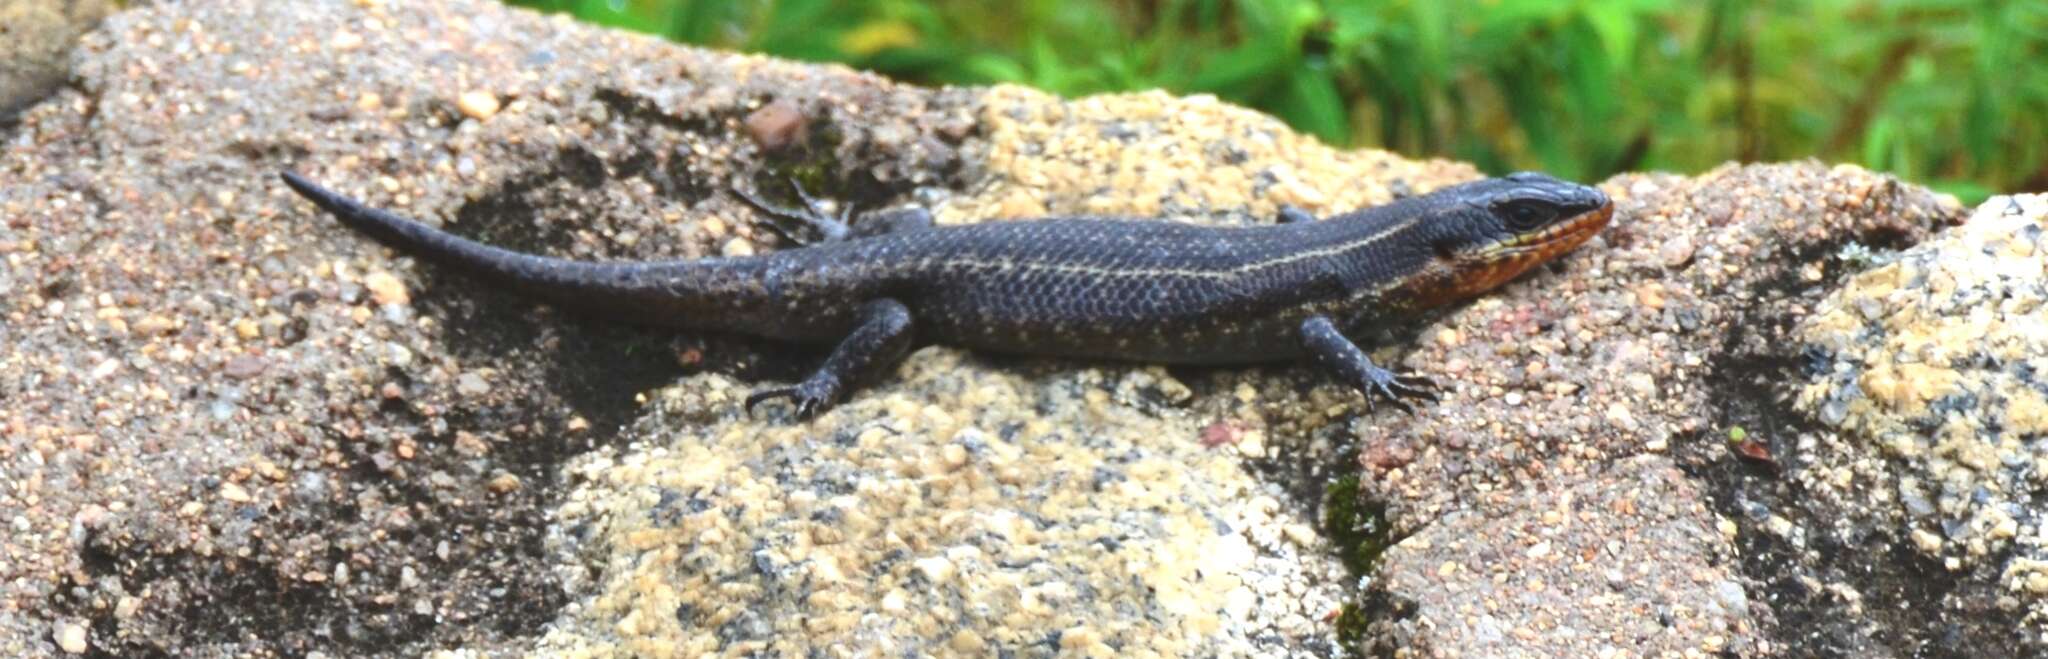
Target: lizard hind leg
{"x": 881, "y": 340}
{"x": 793, "y": 223}
{"x": 800, "y": 225}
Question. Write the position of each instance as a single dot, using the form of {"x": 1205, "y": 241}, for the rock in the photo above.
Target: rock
{"x": 963, "y": 505}
{"x": 777, "y": 125}
{"x": 72, "y": 638}
{"x": 472, "y": 384}
{"x": 1058, "y": 514}
{"x": 386, "y": 288}
{"x": 478, "y": 105}
{"x": 1668, "y": 382}
{"x": 1932, "y": 369}
{"x": 1651, "y": 544}
{"x": 234, "y": 493}
{"x": 243, "y": 367}
{"x": 35, "y": 40}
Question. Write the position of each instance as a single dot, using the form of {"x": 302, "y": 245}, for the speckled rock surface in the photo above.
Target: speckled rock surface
{"x": 1926, "y": 379}
{"x": 962, "y": 509}
{"x": 1626, "y": 562}
{"x": 232, "y": 427}
{"x": 35, "y": 38}
{"x": 1651, "y": 348}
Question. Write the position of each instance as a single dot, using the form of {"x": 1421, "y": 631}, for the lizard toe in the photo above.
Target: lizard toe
{"x": 764, "y": 395}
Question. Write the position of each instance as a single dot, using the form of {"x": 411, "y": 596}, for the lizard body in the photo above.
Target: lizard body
{"x": 1097, "y": 288}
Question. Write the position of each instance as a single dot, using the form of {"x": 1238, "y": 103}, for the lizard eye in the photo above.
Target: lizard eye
{"x": 1526, "y": 214}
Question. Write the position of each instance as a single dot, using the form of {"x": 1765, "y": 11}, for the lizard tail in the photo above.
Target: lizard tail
{"x": 620, "y": 288}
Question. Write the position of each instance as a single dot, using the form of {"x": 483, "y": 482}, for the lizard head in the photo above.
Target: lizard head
{"x": 1487, "y": 232}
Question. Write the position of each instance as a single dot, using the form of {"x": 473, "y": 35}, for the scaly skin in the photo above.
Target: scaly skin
{"x": 1097, "y": 288}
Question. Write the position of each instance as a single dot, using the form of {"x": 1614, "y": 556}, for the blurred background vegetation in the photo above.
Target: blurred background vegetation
{"x": 1951, "y": 93}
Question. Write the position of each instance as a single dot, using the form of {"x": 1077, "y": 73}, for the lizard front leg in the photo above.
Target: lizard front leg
{"x": 880, "y": 341}
{"x": 1342, "y": 357}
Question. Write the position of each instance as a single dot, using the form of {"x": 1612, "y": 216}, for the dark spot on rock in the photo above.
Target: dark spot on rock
{"x": 746, "y": 626}
{"x": 1816, "y": 361}
{"x": 1120, "y": 131}
{"x": 764, "y": 565}
{"x": 1104, "y": 476}
{"x": 293, "y": 331}
{"x": 329, "y": 113}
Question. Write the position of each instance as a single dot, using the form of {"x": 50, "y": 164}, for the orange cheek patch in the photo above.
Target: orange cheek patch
{"x": 1447, "y": 281}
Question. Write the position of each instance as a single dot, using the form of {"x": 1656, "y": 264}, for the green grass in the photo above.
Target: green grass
{"x": 1944, "y": 92}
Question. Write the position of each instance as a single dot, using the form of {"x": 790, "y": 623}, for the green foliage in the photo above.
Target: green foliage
{"x": 1940, "y": 91}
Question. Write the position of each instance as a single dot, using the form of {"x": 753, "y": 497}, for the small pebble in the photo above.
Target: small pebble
{"x": 243, "y": 367}
{"x": 966, "y": 642}
{"x": 503, "y": 483}
{"x": 126, "y": 607}
{"x": 71, "y": 638}
{"x": 386, "y": 288}
{"x": 777, "y": 126}
{"x": 471, "y": 384}
{"x": 1677, "y": 251}
{"x": 478, "y": 105}
{"x": 153, "y": 325}
{"x": 936, "y": 569}
{"x": 954, "y": 455}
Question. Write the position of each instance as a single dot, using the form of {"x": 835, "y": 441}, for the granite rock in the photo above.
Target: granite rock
{"x": 1925, "y": 389}
{"x": 1656, "y": 350}
{"x": 35, "y": 45}
{"x": 233, "y": 427}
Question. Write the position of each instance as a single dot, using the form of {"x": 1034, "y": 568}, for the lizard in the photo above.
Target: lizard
{"x": 1123, "y": 289}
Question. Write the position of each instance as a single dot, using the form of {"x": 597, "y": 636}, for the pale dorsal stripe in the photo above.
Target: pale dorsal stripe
{"x": 1227, "y": 273}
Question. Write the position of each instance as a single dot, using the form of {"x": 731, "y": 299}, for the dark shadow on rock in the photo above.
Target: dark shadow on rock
{"x": 1909, "y": 605}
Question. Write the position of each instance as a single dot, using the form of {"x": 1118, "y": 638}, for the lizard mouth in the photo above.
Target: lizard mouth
{"x": 1557, "y": 238}
{"x": 1518, "y": 255}
{"x": 1490, "y": 268}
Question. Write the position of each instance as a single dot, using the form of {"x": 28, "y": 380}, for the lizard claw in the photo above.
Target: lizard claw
{"x": 810, "y": 397}
{"x": 1398, "y": 389}
{"x": 815, "y": 205}
{"x": 758, "y": 397}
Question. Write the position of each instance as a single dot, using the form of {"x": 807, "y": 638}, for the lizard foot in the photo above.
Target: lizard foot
{"x": 802, "y": 226}
{"x": 810, "y": 397}
{"x": 1398, "y": 389}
